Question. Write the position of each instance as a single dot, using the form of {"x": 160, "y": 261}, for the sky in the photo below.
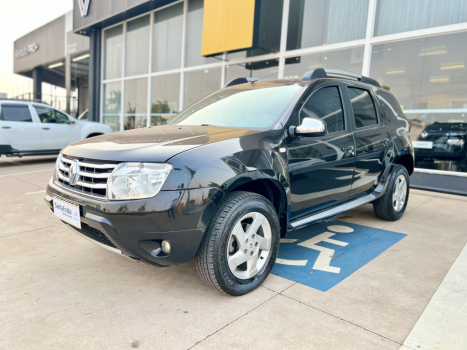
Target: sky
{"x": 17, "y": 18}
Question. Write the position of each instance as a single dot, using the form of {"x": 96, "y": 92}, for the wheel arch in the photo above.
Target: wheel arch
{"x": 269, "y": 188}
{"x": 407, "y": 161}
{"x": 94, "y": 134}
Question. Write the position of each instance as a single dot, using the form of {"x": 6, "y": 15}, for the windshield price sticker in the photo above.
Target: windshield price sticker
{"x": 67, "y": 212}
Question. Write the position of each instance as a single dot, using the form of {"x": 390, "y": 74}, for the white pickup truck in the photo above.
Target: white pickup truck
{"x": 32, "y": 128}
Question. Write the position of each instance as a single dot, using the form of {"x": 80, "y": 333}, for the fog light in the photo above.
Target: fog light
{"x": 166, "y": 247}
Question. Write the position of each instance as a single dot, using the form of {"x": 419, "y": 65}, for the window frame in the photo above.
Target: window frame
{"x": 55, "y": 111}
{"x": 317, "y": 88}
{"x": 15, "y": 105}
{"x": 350, "y": 107}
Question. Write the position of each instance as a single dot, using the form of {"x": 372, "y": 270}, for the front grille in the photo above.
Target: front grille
{"x": 93, "y": 176}
{"x": 93, "y": 233}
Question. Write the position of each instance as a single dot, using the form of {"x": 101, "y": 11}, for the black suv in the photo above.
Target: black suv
{"x": 230, "y": 175}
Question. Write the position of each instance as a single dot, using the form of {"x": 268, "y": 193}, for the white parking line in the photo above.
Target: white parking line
{"x": 29, "y": 172}
{"x": 36, "y": 192}
{"x": 291, "y": 262}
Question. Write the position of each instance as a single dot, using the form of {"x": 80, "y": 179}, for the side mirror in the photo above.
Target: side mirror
{"x": 310, "y": 127}
{"x": 72, "y": 121}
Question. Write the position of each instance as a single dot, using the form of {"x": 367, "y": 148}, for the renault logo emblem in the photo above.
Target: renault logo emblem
{"x": 83, "y": 7}
{"x": 73, "y": 174}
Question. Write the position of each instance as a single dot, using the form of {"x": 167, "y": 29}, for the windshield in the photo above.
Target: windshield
{"x": 241, "y": 106}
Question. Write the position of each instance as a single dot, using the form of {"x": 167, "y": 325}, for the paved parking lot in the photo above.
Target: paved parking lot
{"x": 355, "y": 282}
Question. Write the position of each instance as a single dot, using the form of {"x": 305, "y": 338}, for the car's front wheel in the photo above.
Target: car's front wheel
{"x": 240, "y": 244}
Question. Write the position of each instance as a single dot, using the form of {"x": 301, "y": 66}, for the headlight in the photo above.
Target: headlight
{"x": 57, "y": 167}
{"x": 456, "y": 142}
{"x": 137, "y": 180}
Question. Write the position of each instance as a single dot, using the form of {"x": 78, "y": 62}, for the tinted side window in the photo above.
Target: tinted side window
{"x": 363, "y": 107}
{"x": 15, "y": 114}
{"x": 49, "y": 115}
{"x": 325, "y": 104}
{"x": 387, "y": 106}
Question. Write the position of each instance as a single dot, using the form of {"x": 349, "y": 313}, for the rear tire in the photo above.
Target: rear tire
{"x": 391, "y": 206}
{"x": 240, "y": 244}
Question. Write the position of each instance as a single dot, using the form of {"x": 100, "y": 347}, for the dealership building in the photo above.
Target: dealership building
{"x": 136, "y": 63}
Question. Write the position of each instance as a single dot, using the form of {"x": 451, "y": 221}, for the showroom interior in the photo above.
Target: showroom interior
{"x": 138, "y": 63}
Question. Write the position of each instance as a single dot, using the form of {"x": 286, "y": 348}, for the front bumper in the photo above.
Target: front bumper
{"x": 137, "y": 227}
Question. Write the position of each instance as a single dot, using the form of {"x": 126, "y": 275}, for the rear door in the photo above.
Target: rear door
{"x": 371, "y": 139}
{"x": 56, "y": 128}
{"x": 17, "y": 125}
{"x": 321, "y": 168}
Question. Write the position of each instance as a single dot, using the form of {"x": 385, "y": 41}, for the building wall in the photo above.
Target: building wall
{"x": 51, "y": 41}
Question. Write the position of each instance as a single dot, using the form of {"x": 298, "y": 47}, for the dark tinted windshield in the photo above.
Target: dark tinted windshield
{"x": 241, "y": 106}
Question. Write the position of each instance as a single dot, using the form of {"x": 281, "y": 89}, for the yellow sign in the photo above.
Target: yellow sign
{"x": 227, "y": 25}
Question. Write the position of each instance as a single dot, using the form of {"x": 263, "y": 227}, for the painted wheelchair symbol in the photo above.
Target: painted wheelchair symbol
{"x": 325, "y": 255}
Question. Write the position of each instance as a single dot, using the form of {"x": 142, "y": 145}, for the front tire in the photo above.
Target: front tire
{"x": 240, "y": 244}
{"x": 391, "y": 206}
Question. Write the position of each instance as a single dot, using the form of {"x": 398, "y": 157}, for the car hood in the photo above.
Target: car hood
{"x": 155, "y": 144}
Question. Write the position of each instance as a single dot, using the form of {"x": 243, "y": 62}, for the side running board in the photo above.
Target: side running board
{"x": 333, "y": 211}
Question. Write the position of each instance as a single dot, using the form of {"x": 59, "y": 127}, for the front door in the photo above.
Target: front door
{"x": 371, "y": 139}
{"x": 19, "y": 128}
{"x": 56, "y": 128}
{"x": 321, "y": 168}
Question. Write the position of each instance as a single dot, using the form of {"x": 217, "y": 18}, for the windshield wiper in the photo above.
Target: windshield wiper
{"x": 206, "y": 125}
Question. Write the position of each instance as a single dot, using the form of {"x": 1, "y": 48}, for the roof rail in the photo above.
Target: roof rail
{"x": 23, "y": 100}
{"x": 238, "y": 81}
{"x": 320, "y": 73}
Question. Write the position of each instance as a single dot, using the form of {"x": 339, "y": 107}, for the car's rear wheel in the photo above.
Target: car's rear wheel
{"x": 240, "y": 244}
{"x": 391, "y": 206}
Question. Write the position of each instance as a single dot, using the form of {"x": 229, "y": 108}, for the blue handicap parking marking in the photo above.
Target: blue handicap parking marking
{"x": 322, "y": 255}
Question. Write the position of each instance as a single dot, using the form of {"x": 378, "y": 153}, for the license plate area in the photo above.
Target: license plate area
{"x": 67, "y": 211}
{"x": 423, "y": 144}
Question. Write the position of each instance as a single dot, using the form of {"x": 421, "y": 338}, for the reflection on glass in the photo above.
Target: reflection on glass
{"x": 201, "y": 83}
{"x": 136, "y": 103}
{"x": 242, "y": 106}
{"x": 349, "y": 60}
{"x": 137, "y": 46}
{"x": 325, "y": 104}
{"x": 396, "y": 16}
{"x": 428, "y": 77}
{"x": 194, "y": 34}
{"x": 323, "y": 22}
{"x": 261, "y": 70}
{"x": 165, "y": 97}
{"x": 111, "y": 110}
{"x": 113, "y": 39}
{"x": 363, "y": 108}
{"x": 167, "y": 38}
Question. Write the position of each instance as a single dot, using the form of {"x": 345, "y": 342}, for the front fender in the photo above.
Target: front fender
{"x": 88, "y": 128}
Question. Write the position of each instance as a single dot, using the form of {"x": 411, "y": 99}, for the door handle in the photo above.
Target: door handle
{"x": 6, "y": 127}
{"x": 349, "y": 150}
{"x": 45, "y": 128}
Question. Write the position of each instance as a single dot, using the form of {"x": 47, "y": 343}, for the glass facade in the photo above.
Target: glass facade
{"x": 149, "y": 77}
{"x": 350, "y": 60}
{"x": 111, "y": 109}
{"x": 165, "y": 98}
{"x": 136, "y": 103}
{"x": 324, "y": 22}
{"x": 167, "y": 38}
{"x": 113, "y": 46}
{"x": 396, "y": 16}
{"x": 429, "y": 79}
{"x": 201, "y": 83}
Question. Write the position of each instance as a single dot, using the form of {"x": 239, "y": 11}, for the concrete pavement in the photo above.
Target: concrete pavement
{"x": 61, "y": 291}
